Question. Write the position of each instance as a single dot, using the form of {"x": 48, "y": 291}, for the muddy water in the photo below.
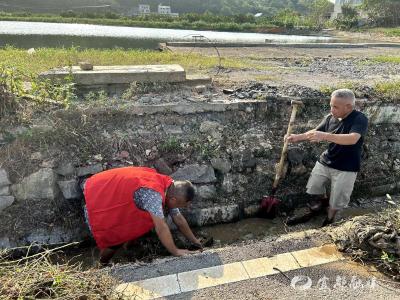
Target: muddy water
{"x": 247, "y": 229}
{"x": 255, "y": 228}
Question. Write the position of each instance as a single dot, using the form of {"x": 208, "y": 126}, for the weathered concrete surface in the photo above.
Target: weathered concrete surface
{"x": 281, "y": 45}
{"x": 212, "y": 268}
{"x": 317, "y": 282}
{"x": 230, "y": 254}
{"x": 197, "y": 108}
{"x": 241, "y": 271}
{"x": 195, "y": 79}
{"x": 103, "y": 75}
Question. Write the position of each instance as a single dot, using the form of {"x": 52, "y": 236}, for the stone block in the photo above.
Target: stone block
{"x": 37, "y": 186}
{"x": 221, "y": 165}
{"x": 6, "y": 201}
{"x": 206, "y": 192}
{"x": 70, "y": 189}
{"x": 5, "y": 243}
{"x": 4, "y": 178}
{"x": 89, "y": 170}
{"x": 162, "y": 167}
{"x": 383, "y": 114}
{"x": 196, "y": 174}
{"x": 213, "y": 215}
{"x": 66, "y": 169}
{"x": 5, "y": 190}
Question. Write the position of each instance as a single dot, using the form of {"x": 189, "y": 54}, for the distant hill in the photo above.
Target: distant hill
{"x": 52, "y": 5}
{"x": 227, "y": 7}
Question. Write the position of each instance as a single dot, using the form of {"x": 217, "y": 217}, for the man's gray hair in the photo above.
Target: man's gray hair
{"x": 345, "y": 94}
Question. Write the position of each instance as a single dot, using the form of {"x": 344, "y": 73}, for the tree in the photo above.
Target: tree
{"x": 320, "y": 10}
{"x": 383, "y": 12}
{"x": 348, "y": 19}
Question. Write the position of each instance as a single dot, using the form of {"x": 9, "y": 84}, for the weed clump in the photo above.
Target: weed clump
{"x": 37, "y": 277}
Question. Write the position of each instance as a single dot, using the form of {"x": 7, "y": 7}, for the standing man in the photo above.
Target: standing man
{"x": 123, "y": 204}
{"x": 344, "y": 129}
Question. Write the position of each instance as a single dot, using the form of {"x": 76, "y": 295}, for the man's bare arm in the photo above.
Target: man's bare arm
{"x": 165, "y": 236}
{"x": 183, "y": 227}
{"x": 340, "y": 139}
{"x": 296, "y": 138}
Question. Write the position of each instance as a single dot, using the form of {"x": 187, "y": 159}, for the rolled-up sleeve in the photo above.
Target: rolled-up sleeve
{"x": 151, "y": 201}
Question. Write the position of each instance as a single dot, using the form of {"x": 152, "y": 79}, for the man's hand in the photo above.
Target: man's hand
{"x": 293, "y": 138}
{"x": 317, "y": 136}
{"x": 182, "y": 252}
{"x": 184, "y": 228}
{"x": 196, "y": 246}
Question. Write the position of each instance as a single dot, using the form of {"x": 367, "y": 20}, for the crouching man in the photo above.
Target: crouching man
{"x": 123, "y": 204}
{"x": 344, "y": 129}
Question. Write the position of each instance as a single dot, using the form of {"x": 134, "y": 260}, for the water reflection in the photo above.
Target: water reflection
{"x": 36, "y": 34}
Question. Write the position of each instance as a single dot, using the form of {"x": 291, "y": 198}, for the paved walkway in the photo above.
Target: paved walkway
{"x": 299, "y": 265}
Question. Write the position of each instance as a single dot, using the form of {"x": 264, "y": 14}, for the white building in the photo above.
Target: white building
{"x": 337, "y": 10}
{"x": 164, "y": 10}
{"x": 144, "y": 9}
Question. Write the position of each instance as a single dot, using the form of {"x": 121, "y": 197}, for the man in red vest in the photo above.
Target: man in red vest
{"x": 123, "y": 204}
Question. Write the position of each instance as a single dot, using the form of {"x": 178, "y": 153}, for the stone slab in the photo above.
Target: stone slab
{"x": 317, "y": 256}
{"x": 265, "y": 266}
{"x": 101, "y": 75}
{"x": 149, "y": 288}
{"x": 193, "y": 80}
{"x": 204, "y": 278}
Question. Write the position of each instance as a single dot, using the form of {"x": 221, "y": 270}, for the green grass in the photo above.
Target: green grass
{"x": 387, "y": 59}
{"x": 393, "y": 32}
{"x": 328, "y": 89}
{"x": 265, "y": 77}
{"x": 389, "y": 89}
{"x": 46, "y": 58}
{"x": 175, "y": 24}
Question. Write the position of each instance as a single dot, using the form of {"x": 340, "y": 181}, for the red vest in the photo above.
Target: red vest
{"x": 112, "y": 213}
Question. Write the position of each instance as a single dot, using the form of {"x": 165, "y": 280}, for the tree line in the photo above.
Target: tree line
{"x": 235, "y": 14}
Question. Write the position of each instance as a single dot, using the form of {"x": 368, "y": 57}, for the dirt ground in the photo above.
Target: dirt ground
{"x": 303, "y": 66}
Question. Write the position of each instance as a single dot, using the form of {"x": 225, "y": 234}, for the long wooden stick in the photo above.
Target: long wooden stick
{"x": 278, "y": 175}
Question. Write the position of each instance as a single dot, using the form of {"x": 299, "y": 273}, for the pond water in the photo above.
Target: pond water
{"x": 40, "y": 34}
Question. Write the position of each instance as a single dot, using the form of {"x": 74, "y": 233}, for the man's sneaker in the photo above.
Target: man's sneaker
{"x": 326, "y": 222}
